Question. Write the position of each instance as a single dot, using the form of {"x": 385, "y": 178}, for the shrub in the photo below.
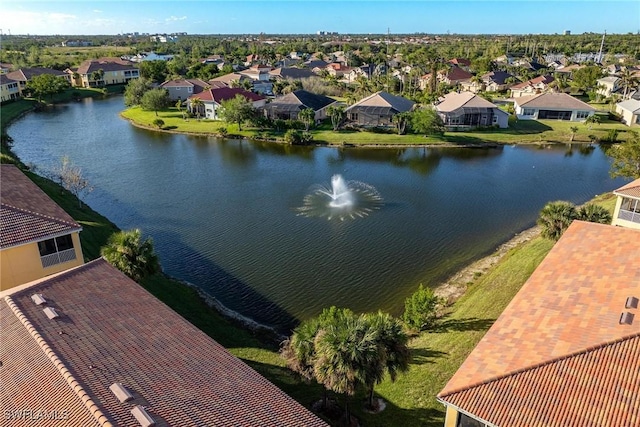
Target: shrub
{"x": 594, "y": 213}
{"x": 292, "y": 137}
{"x": 159, "y": 123}
{"x": 420, "y": 309}
{"x": 222, "y": 130}
{"x": 612, "y": 136}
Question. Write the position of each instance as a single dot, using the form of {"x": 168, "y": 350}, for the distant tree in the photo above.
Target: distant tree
{"x": 587, "y": 78}
{"x": 236, "y": 110}
{"x": 420, "y": 309}
{"x": 626, "y": 157}
{"x": 46, "y": 85}
{"x": 307, "y": 116}
{"x": 155, "y": 99}
{"x": 555, "y": 218}
{"x": 128, "y": 253}
{"x": 628, "y": 81}
{"x": 72, "y": 179}
{"x": 154, "y": 70}
{"x": 337, "y": 115}
{"x": 427, "y": 121}
{"x": 159, "y": 123}
{"x": 134, "y": 91}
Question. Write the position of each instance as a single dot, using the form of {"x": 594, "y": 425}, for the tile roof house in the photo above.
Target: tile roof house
{"x": 9, "y": 88}
{"x": 37, "y": 237}
{"x": 454, "y": 75}
{"x": 493, "y": 81}
{"x": 531, "y": 87}
{"x": 465, "y": 109}
{"x": 291, "y": 73}
{"x": 102, "y": 351}
{"x": 212, "y": 99}
{"x": 627, "y": 210}
{"x": 288, "y": 106}
{"x": 181, "y": 89}
{"x": 566, "y": 350}
{"x": 23, "y": 75}
{"x": 552, "y": 106}
{"x": 378, "y": 109}
{"x": 461, "y": 62}
{"x": 115, "y": 71}
{"x": 630, "y": 111}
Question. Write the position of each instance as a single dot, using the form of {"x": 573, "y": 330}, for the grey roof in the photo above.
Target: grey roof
{"x": 303, "y": 99}
{"x": 384, "y": 100}
{"x": 292, "y": 73}
{"x": 497, "y": 77}
{"x": 553, "y": 101}
{"x": 632, "y": 105}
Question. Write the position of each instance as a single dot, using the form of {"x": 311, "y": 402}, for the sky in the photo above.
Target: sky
{"x": 78, "y": 17}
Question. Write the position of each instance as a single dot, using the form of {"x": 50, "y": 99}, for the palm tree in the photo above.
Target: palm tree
{"x": 628, "y": 81}
{"x": 555, "y": 218}
{"x": 393, "y": 349}
{"x": 573, "y": 130}
{"x": 307, "y": 116}
{"x": 135, "y": 258}
{"x": 336, "y": 113}
{"x": 401, "y": 120}
{"x": 594, "y": 213}
{"x": 196, "y": 106}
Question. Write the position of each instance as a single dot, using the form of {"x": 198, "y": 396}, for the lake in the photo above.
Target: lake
{"x": 224, "y": 214}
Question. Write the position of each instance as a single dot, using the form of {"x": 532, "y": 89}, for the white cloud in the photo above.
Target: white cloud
{"x": 97, "y": 11}
{"x": 175, "y": 18}
{"x": 27, "y": 22}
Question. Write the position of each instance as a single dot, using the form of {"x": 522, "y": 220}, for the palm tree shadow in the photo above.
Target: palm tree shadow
{"x": 422, "y": 356}
{"x": 461, "y": 325}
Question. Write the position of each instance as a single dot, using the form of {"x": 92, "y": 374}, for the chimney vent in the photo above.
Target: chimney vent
{"x": 121, "y": 392}
{"x": 50, "y": 312}
{"x": 142, "y": 416}
{"x": 632, "y": 302}
{"x": 626, "y": 318}
{"x": 38, "y": 299}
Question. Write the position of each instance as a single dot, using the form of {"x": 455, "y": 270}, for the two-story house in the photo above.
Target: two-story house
{"x": 103, "y": 72}
{"x": 37, "y": 237}
{"x": 9, "y": 89}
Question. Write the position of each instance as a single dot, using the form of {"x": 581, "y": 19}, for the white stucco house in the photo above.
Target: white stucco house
{"x": 630, "y": 111}
{"x": 552, "y": 106}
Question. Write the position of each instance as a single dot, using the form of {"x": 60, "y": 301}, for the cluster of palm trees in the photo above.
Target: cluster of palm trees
{"x": 556, "y": 217}
{"x": 346, "y": 352}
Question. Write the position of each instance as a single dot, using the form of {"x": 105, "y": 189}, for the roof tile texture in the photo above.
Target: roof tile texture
{"x": 631, "y": 189}
{"x": 554, "y": 101}
{"x": 115, "y": 331}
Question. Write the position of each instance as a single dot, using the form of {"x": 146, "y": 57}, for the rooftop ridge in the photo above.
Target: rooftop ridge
{"x": 59, "y": 365}
{"x": 541, "y": 364}
{"x": 40, "y": 215}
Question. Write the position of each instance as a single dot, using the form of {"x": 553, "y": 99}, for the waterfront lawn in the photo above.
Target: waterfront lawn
{"x": 11, "y": 110}
{"x": 519, "y": 131}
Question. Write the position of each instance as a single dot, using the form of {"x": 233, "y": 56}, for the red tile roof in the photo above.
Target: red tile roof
{"x": 112, "y": 330}
{"x": 27, "y": 214}
{"x": 558, "y": 354}
{"x": 460, "y": 61}
{"x": 545, "y": 80}
{"x": 456, "y": 74}
{"x": 632, "y": 189}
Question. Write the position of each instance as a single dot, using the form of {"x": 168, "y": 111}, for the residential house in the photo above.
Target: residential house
{"x": 454, "y": 75}
{"x": 627, "y": 210}
{"x": 566, "y": 350}
{"x": 257, "y": 72}
{"x": 114, "y": 71}
{"x": 493, "y": 81}
{"x": 212, "y": 100}
{"x": 569, "y": 69}
{"x": 230, "y": 79}
{"x": 77, "y": 43}
{"x": 163, "y": 38}
{"x": 23, "y": 75}
{"x": 38, "y": 238}
{"x": 378, "y": 109}
{"x": 288, "y": 106}
{"x": 608, "y": 85}
{"x": 90, "y": 347}
{"x": 552, "y": 106}
{"x": 337, "y": 69}
{"x": 9, "y": 89}
{"x": 529, "y": 65}
{"x": 150, "y": 56}
{"x": 630, "y": 111}
{"x": 504, "y": 59}
{"x": 284, "y": 73}
{"x": 316, "y": 65}
{"x": 5, "y": 67}
{"x": 534, "y": 86}
{"x": 463, "y": 63}
{"x": 467, "y": 110}
{"x": 181, "y": 89}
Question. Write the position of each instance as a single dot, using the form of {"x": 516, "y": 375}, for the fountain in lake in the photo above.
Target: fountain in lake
{"x": 343, "y": 200}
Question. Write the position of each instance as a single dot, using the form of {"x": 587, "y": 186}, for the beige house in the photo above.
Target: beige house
{"x": 212, "y": 100}
{"x": 552, "y": 106}
{"x": 38, "y": 237}
{"x": 532, "y": 87}
{"x": 627, "y": 211}
{"x": 181, "y": 89}
{"x": 287, "y": 107}
{"x": 378, "y": 109}
{"x": 24, "y": 75}
{"x": 608, "y": 85}
{"x": 467, "y": 110}
{"x": 102, "y": 72}
{"x": 630, "y": 111}
{"x": 9, "y": 89}
{"x": 566, "y": 350}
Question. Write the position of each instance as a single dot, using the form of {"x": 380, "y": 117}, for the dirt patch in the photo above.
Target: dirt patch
{"x": 454, "y": 287}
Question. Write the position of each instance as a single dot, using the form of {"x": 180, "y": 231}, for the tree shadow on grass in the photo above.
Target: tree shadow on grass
{"x": 461, "y": 325}
{"x": 422, "y": 356}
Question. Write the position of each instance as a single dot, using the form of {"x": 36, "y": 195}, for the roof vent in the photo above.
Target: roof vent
{"x": 50, "y": 312}
{"x": 632, "y": 302}
{"x": 142, "y": 416}
{"x": 626, "y": 318}
{"x": 121, "y": 392}
{"x": 38, "y": 299}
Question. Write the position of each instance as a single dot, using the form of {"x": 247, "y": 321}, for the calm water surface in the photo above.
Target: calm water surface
{"x": 223, "y": 214}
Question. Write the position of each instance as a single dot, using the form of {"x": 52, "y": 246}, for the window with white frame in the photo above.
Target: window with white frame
{"x": 528, "y": 112}
{"x": 582, "y": 115}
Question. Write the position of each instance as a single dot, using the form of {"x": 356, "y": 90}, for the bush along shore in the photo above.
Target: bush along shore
{"x": 480, "y": 293}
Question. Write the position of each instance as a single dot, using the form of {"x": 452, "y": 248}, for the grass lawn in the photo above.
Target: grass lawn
{"x": 519, "y": 132}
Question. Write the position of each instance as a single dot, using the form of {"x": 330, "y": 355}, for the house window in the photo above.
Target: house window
{"x": 56, "y": 251}
{"x": 354, "y": 116}
{"x": 466, "y": 421}
{"x": 528, "y": 112}
{"x": 190, "y": 89}
{"x": 582, "y": 114}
